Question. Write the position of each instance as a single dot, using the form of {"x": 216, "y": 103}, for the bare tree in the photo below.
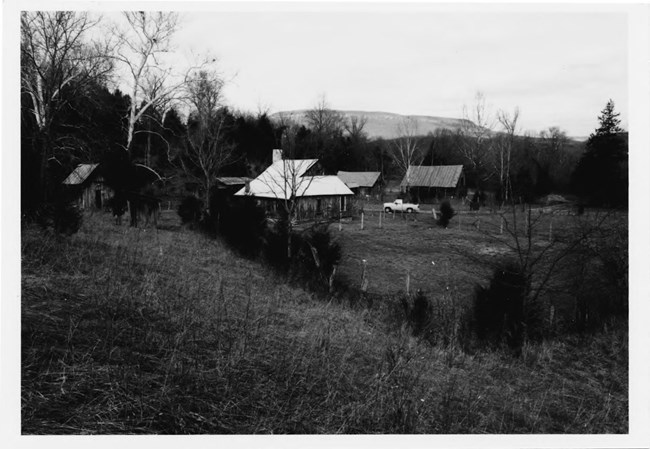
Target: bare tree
{"x": 207, "y": 150}
{"x": 504, "y": 150}
{"x": 56, "y": 57}
{"x": 323, "y": 120}
{"x": 406, "y": 147}
{"x": 477, "y": 131}
{"x": 139, "y": 47}
{"x": 355, "y": 125}
{"x": 554, "y": 141}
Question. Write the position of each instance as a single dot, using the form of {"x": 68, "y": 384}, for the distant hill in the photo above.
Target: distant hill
{"x": 384, "y": 124}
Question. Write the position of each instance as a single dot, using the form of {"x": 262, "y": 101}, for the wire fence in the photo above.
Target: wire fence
{"x": 483, "y": 233}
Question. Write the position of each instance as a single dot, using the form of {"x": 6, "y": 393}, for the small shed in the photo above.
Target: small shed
{"x": 362, "y": 183}
{"x": 88, "y": 185}
{"x": 435, "y": 181}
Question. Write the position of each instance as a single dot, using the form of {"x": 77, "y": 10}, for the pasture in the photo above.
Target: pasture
{"x": 397, "y": 246}
{"x": 130, "y": 330}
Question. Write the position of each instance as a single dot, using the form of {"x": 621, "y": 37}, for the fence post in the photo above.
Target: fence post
{"x": 340, "y": 225}
{"x": 364, "y": 277}
{"x": 408, "y": 281}
{"x": 433, "y": 211}
{"x": 550, "y": 230}
{"x": 380, "y": 212}
{"x": 478, "y": 225}
{"x": 362, "y": 221}
{"x": 501, "y": 226}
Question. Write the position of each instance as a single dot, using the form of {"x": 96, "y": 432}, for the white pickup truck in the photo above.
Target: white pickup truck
{"x": 400, "y": 206}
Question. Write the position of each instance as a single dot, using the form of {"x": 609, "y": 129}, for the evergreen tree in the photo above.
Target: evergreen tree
{"x": 609, "y": 122}
{"x": 601, "y": 178}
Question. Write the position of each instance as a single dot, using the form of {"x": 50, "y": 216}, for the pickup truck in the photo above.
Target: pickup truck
{"x": 400, "y": 206}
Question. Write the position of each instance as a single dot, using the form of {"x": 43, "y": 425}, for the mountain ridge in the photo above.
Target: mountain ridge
{"x": 381, "y": 124}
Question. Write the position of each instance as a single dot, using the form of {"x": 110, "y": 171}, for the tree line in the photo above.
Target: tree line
{"x": 110, "y": 92}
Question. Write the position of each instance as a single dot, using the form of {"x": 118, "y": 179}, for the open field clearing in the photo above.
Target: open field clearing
{"x": 464, "y": 253}
{"x": 140, "y": 331}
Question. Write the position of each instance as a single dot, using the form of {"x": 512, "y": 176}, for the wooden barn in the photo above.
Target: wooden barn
{"x": 425, "y": 183}
{"x": 86, "y": 183}
{"x": 362, "y": 183}
{"x": 317, "y": 196}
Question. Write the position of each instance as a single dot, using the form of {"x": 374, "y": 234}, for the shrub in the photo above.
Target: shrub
{"x": 190, "y": 210}
{"x": 242, "y": 224}
{"x": 61, "y": 215}
{"x": 420, "y": 314}
{"x": 316, "y": 256}
{"x": 498, "y": 313}
{"x": 446, "y": 214}
{"x": 275, "y": 246}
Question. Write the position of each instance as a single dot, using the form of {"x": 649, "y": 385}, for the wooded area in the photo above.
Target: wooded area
{"x": 175, "y": 121}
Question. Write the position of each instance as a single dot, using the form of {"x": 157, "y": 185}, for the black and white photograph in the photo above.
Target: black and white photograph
{"x": 421, "y": 221}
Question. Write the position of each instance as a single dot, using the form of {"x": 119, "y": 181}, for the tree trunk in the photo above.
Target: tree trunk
{"x": 44, "y": 148}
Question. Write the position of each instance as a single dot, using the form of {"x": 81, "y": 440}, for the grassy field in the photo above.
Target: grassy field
{"x": 141, "y": 331}
{"x": 460, "y": 255}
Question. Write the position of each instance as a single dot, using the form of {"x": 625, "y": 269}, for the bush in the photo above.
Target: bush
{"x": 64, "y": 217}
{"x": 420, "y": 314}
{"x": 446, "y": 214}
{"x": 316, "y": 256}
{"x": 498, "y": 313}
{"x": 275, "y": 247}
{"x": 242, "y": 224}
{"x": 190, "y": 210}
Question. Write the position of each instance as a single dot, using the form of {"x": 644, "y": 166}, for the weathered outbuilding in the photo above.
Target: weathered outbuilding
{"x": 88, "y": 185}
{"x": 362, "y": 183}
{"x": 436, "y": 181}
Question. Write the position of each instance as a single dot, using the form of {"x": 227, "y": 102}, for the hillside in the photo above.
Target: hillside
{"x": 136, "y": 331}
{"x": 384, "y": 124}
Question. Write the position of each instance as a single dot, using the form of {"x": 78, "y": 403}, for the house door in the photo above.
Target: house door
{"x": 98, "y": 199}
{"x": 343, "y": 209}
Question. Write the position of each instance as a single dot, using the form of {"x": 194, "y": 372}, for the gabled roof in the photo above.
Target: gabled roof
{"x": 286, "y": 177}
{"x": 80, "y": 174}
{"x": 360, "y": 178}
{"x": 432, "y": 176}
{"x": 234, "y": 180}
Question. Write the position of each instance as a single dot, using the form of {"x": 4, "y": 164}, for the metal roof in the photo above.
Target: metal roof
{"x": 432, "y": 176}
{"x": 80, "y": 174}
{"x": 285, "y": 177}
{"x": 360, "y": 178}
{"x": 233, "y": 180}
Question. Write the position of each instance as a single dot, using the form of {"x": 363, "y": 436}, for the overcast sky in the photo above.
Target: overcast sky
{"x": 560, "y": 68}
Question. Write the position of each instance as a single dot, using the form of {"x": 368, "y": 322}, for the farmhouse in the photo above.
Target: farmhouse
{"x": 285, "y": 180}
{"x": 361, "y": 183}
{"x": 429, "y": 182}
{"x": 88, "y": 186}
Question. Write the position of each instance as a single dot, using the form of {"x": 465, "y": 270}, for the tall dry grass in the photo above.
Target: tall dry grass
{"x": 136, "y": 331}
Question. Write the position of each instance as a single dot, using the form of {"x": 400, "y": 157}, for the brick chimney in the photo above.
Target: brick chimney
{"x": 277, "y": 155}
